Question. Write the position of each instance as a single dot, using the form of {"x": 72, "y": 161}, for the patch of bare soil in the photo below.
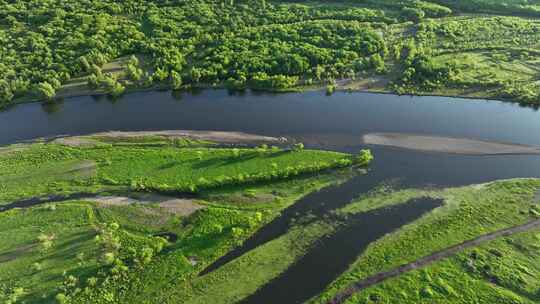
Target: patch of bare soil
{"x": 107, "y": 201}
{"x": 17, "y": 252}
{"x": 452, "y": 145}
{"x": 183, "y": 207}
{"x": 364, "y": 84}
{"x": 75, "y": 141}
{"x": 11, "y": 149}
{"x": 537, "y": 197}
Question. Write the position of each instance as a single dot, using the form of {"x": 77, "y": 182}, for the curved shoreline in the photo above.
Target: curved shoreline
{"x": 452, "y": 145}
{"x": 300, "y": 89}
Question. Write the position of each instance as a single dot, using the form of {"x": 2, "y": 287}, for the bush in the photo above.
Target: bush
{"x": 363, "y": 158}
{"x": 61, "y": 298}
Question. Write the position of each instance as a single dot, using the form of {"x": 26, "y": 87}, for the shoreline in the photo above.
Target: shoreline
{"x": 299, "y": 89}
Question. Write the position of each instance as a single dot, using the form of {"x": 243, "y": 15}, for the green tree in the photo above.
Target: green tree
{"x": 364, "y": 157}
{"x": 45, "y": 90}
{"x": 176, "y": 80}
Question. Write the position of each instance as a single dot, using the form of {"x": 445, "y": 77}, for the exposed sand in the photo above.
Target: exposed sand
{"x": 447, "y": 144}
{"x": 213, "y": 136}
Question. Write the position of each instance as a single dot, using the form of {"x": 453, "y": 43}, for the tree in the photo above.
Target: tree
{"x": 45, "y": 90}
{"x": 176, "y": 80}
{"x": 85, "y": 65}
{"x": 364, "y": 157}
{"x": 117, "y": 90}
{"x": 377, "y": 62}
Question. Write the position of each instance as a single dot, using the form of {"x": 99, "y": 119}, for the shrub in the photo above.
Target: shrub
{"x": 298, "y": 147}
{"x": 364, "y": 157}
{"x": 61, "y": 298}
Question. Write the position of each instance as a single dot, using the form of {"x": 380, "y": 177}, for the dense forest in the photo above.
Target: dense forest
{"x": 59, "y": 48}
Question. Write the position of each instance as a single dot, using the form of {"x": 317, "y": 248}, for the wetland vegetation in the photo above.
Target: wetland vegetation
{"x": 94, "y": 249}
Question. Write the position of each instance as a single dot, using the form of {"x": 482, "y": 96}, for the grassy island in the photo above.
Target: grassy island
{"x": 102, "y": 219}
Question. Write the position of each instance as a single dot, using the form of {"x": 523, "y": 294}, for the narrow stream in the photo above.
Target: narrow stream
{"x": 332, "y": 256}
{"x": 317, "y": 203}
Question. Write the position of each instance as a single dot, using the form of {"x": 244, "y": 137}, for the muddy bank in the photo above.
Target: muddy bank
{"x": 212, "y": 136}
{"x": 451, "y": 145}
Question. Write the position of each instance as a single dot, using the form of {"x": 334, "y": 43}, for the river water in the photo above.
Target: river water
{"x": 334, "y": 122}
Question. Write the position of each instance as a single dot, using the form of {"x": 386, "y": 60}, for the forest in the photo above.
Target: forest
{"x": 60, "y": 48}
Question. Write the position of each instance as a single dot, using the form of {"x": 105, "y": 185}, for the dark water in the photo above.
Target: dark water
{"x": 313, "y": 272}
{"x": 331, "y": 122}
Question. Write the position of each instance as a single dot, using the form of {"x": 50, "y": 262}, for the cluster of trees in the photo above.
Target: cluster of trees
{"x": 526, "y": 93}
{"x": 44, "y": 44}
{"x": 116, "y": 258}
{"x": 417, "y": 10}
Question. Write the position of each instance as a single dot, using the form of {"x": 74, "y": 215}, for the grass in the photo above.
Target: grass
{"x": 501, "y": 271}
{"x": 243, "y": 276}
{"x": 209, "y": 234}
{"x": 467, "y": 212}
{"x": 87, "y": 252}
{"x": 44, "y": 169}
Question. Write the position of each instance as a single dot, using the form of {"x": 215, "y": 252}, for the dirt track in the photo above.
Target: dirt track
{"x": 447, "y": 144}
{"x": 346, "y": 293}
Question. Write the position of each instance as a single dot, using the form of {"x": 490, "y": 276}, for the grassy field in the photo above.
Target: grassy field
{"x": 501, "y": 271}
{"x": 103, "y": 251}
{"x": 468, "y": 212}
{"x": 44, "y": 169}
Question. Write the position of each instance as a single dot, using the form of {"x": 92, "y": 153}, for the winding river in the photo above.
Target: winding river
{"x": 335, "y": 122}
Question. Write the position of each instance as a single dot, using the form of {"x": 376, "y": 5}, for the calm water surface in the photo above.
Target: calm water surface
{"x": 334, "y": 122}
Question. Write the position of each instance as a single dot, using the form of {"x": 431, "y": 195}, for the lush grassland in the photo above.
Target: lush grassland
{"x": 44, "y": 169}
{"x": 92, "y": 252}
{"x": 501, "y": 271}
{"x": 468, "y": 212}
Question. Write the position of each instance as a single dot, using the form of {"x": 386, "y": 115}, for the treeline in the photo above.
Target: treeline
{"x": 259, "y": 44}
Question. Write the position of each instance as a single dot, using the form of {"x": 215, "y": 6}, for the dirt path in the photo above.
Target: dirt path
{"x": 346, "y": 293}
{"x": 443, "y": 144}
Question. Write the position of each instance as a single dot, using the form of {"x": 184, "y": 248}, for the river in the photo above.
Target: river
{"x": 335, "y": 122}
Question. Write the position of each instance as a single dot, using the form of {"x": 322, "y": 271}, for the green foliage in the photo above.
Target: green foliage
{"x": 364, "y": 157}
{"x": 265, "y": 45}
{"x": 45, "y": 90}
